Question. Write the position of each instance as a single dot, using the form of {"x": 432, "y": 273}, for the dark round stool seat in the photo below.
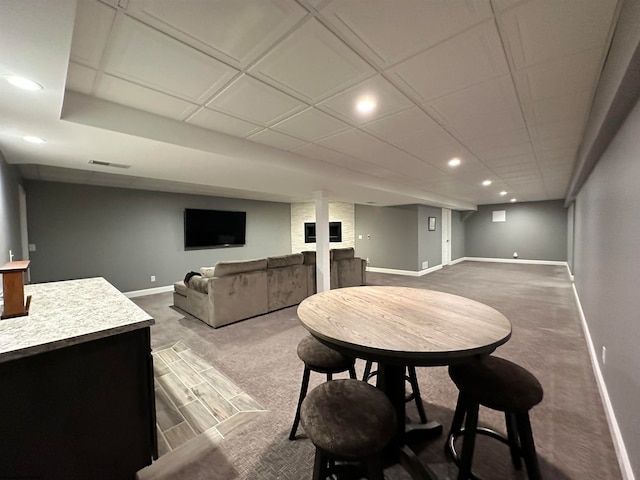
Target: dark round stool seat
{"x": 320, "y": 358}
{"x": 348, "y": 418}
{"x": 498, "y": 384}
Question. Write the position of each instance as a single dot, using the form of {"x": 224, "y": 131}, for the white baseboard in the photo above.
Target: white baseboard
{"x": 409, "y": 273}
{"x": 149, "y": 291}
{"x": 616, "y": 435}
{"x": 513, "y": 260}
{"x": 458, "y": 260}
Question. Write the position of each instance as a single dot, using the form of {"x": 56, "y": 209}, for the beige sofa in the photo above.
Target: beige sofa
{"x": 233, "y": 291}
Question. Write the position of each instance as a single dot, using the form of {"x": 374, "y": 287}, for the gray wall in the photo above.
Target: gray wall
{"x": 607, "y": 273}
{"x": 570, "y": 234}
{"x": 394, "y": 236}
{"x": 128, "y": 235}
{"x": 9, "y": 212}
{"x": 429, "y": 242}
{"x": 458, "y": 234}
{"x": 536, "y": 230}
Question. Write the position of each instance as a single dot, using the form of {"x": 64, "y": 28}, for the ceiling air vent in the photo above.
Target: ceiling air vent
{"x": 108, "y": 164}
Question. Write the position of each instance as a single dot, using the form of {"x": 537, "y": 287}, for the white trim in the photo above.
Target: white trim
{"x": 149, "y": 291}
{"x": 458, "y": 260}
{"x": 409, "y": 273}
{"x": 514, "y": 260}
{"x": 618, "y": 441}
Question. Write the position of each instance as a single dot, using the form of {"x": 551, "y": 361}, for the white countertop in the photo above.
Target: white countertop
{"x": 66, "y": 313}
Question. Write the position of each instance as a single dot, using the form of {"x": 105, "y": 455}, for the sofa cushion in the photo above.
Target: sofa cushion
{"x": 309, "y": 257}
{"x": 231, "y": 268}
{"x": 285, "y": 260}
{"x": 199, "y": 284}
{"x": 342, "y": 253}
{"x": 207, "y": 271}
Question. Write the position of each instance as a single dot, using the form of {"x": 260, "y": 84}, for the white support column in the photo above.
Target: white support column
{"x": 323, "y": 268}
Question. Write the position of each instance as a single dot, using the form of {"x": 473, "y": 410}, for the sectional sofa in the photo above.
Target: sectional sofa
{"x": 233, "y": 291}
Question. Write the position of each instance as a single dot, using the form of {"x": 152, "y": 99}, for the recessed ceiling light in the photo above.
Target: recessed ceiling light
{"x": 486, "y": 183}
{"x": 514, "y": 200}
{"x": 32, "y": 139}
{"x": 22, "y": 82}
{"x": 454, "y": 162}
{"x": 503, "y": 193}
{"x": 366, "y": 105}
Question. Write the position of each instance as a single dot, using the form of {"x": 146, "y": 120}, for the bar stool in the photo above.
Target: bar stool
{"x": 501, "y": 385}
{"x": 351, "y": 421}
{"x": 412, "y": 378}
{"x": 319, "y": 358}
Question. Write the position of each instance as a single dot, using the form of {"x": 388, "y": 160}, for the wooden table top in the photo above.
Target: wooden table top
{"x": 404, "y": 325}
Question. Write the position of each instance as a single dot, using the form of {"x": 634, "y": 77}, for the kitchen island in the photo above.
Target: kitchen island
{"x": 76, "y": 380}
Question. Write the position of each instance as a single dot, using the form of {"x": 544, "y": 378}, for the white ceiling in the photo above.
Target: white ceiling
{"x": 256, "y": 98}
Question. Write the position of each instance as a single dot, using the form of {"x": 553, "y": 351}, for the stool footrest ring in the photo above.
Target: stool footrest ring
{"x": 455, "y": 456}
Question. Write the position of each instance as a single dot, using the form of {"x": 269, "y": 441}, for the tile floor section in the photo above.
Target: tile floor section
{"x": 192, "y": 397}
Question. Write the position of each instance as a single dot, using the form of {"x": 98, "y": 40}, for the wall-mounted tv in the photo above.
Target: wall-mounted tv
{"x": 213, "y": 228}
{"x": 335, "y": 232}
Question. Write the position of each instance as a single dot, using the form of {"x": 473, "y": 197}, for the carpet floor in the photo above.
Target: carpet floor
{"x": 259, "y": 355}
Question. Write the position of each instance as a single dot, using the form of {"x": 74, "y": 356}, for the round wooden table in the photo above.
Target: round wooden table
{"x": 400, "y": 326}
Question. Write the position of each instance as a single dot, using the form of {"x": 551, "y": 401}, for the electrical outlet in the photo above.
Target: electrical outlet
{"x": 604, "y": 355}
{"x": 32, "y": 247}
{"x": 153, "y": 278}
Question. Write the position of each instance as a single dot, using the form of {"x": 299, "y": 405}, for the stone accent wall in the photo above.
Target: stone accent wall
{"x": 306, "y": 212}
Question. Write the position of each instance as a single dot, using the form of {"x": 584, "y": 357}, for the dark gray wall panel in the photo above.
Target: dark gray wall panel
{"x": 535, "y": 230}
{"x": 607, "y": 273}
{"x": 128, "y": 235}
{"x": 9, "y": 212}
{"x": 457, "y": 235}
{"x": 394, "y": 236}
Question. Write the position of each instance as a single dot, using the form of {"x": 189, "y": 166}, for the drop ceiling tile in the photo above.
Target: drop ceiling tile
{"x": 490, "y": 144}
{"x": 236, "y": 32}
{"x": 568, "y": 107}
{"x": 558, "y": 77}
{"x": 143, "y": 55}
{"x": 557, "y": 143}
{"x": 408, "y": 128}
{"x": 439, "y": 155}
{"x": 494, "y": 95}
{"x": 312, "y": 64}
{"x": 385, "y": 96}
{"x": 340, "y": 159}
{"x": 90, "y": 32}
{"x": 221, "y": 122}
{"x": 276, "y": 139}
{"x": 255, "y": 101}
{"x": 472, "y": 57}
{"x": 133, "y": 95}
{"x": 539, "y": 31}
{"x": 388, "y": 33}
{"x": 311, "y": 125}
{"x": 490, "y": 124}
{"x": 80, "y": 78}
{"x": 550, "y": 131}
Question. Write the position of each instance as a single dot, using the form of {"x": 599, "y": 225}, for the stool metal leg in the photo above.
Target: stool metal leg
{"x": 413, "y": 380}
{"x": 303, "y": 393}
{"x": 469, "y": 440}
{"x": 528, "y": 446}
{"x": 367, "y": 371}
{"x": 320, "y": 468}
{"x": 456, "y": 424}
{"x": 374, "y": 468}
{"x": 512, "y": 435}
{"x": 352, "y": 372}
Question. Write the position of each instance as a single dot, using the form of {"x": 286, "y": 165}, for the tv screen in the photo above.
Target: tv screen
{"x": 335, "y": 232}
{"x": 213, "y": 228}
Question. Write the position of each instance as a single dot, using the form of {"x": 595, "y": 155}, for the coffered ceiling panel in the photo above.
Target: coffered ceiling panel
{"x": 543, "y": 30}
{"x": 410, "y": 129}
{"x": 94, "y": 21}
{"x": 492, "y": 123}
{"x": 311, "y": 125}
{"x": 385, "y": 98}
{"x": 180, "y": 71}
{"x": 472, "y": 57}
{"x": 234, "y": 31}
{"x": 312, "y": 64}
{"x": 569, "y": 107}
{"x": 223, "y": 123}
{"x": 424, "y": 24}
{"x": 136, "y": 96}
{"x": 276, "y": 139}
{"x": 255, "y": 101}
{"x": 340, "y": 159}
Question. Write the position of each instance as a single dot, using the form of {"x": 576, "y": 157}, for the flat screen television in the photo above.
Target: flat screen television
{"x": 335, "y": 232}
{"x": 213, "y": 228}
